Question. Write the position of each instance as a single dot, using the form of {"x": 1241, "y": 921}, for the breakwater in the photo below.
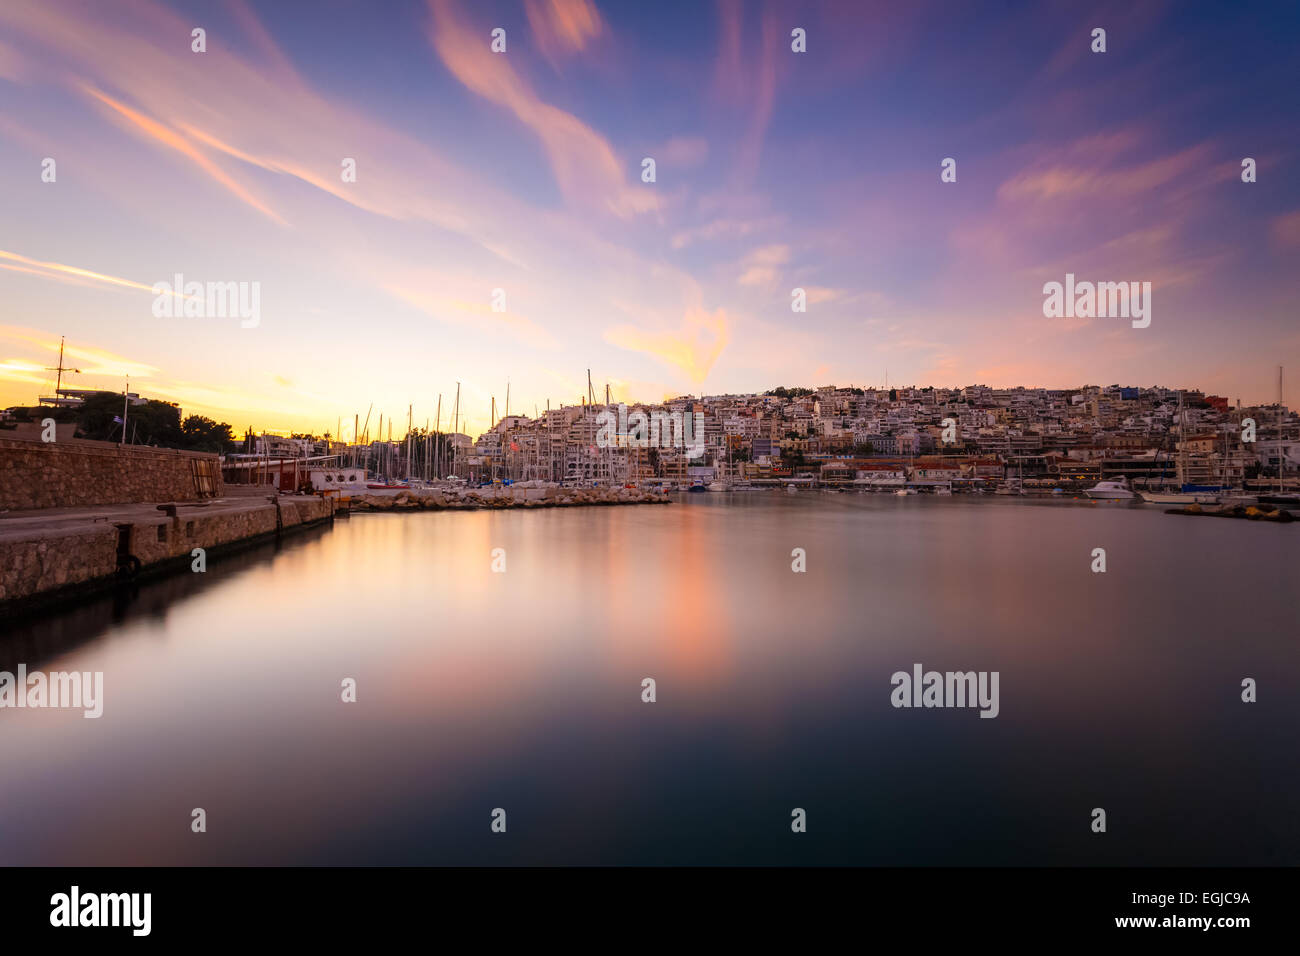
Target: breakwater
{"x": 509, "y": 496}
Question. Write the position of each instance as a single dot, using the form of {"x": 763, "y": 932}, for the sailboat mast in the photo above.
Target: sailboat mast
{"x": 455, "y": 428}
{"x": 1279, "y": 429}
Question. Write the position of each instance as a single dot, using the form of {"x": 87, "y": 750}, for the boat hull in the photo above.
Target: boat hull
{"x": 1179, "y": 498}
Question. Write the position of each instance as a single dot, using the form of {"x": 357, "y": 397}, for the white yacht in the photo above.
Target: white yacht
{"x": 1180, "y": 497}
{"x": 1117, "y": 489}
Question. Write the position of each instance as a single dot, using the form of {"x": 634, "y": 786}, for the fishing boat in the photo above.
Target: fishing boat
{"x": 697, "y": 486}
{"x": 1115, "y": 490}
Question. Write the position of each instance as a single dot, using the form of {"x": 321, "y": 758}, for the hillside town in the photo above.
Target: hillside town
{"x": 961, "y": 438}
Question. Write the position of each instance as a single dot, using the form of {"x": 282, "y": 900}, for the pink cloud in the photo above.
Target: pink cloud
{"x": 585, "y": 166}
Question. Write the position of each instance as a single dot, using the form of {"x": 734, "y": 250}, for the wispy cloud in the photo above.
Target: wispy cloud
{"x": 563, "y": 27}
{"x": 586, "y": 167}
{"x": 762, "y": 267}
{"x": 58, "y": 271}
{"x": 693, "y": 348}
{"x": 173, "y": 140}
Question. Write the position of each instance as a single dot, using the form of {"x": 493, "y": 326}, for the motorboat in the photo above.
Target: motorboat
{"x": 1116, "y": 490}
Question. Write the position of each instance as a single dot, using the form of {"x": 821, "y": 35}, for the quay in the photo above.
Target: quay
{"x": 53, "y": 554}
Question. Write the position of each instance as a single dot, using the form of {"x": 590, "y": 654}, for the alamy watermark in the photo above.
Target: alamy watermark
{"x": 56, "y": 690}
{"x": 1102, "y": 300}
{"x": 948, "y": 689}
{"x": 208, "y": 300}
{"x": 76, "y": 908}
{"x": 658, "y": 429}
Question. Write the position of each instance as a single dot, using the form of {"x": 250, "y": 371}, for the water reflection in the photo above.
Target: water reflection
{"x": 522, "y": 690}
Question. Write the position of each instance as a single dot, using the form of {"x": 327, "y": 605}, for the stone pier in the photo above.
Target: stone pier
{"x": 56, "y": 553}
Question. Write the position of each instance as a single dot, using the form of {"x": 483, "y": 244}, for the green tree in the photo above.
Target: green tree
{"x": 203, "y": 434}
{"x": 150, "y": 423}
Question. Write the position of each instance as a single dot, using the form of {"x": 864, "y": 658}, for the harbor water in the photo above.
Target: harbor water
{"x": 499, "y": 660}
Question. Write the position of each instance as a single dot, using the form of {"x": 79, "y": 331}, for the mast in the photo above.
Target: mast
{"x": 126, "y": 397}
{"x": 455, "y": 428}
{"x": 60, "y": 369}
{"x": 436, "y": 448}
{"x": 1280, "y": 488}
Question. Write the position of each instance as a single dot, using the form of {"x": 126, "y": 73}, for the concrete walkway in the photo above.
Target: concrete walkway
{"x": 60, "y": 522}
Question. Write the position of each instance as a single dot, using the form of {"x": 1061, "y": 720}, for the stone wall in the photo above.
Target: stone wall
{"x": 48, "y": 561}
{"x": 34, "y": 565}
{"x": 165, "y": 538}
{"x": 76, "y": 473}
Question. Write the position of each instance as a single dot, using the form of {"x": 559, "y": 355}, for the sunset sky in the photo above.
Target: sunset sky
{"x": 522, "y": 171}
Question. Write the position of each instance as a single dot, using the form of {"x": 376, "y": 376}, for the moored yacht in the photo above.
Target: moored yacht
{"x": 1117, "y": 489}
{"x": 1180, "y": 497}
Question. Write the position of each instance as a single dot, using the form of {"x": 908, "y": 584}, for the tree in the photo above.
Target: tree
{"x": 201, "y": 433}
{"x": 149, "y": 423}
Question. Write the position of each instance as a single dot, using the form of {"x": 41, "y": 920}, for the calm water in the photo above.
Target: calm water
{"x": 522, "y": 690}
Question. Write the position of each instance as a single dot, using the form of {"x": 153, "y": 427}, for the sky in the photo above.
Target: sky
{"x": 522, "y": 171}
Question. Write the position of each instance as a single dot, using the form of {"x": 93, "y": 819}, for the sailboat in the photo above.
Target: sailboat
{"x": 1188, "y": 494}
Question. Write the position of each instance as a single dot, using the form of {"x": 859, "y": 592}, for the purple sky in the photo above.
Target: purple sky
{"x": 521, "y": 171}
